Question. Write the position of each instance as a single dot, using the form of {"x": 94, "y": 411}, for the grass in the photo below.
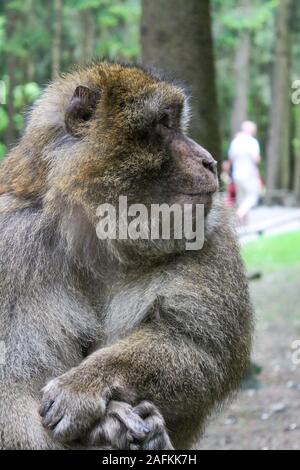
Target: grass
{"x": 270, "y": 253}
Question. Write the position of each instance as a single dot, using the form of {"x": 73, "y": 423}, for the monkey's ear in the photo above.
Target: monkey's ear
{"x": 81, "y": 108}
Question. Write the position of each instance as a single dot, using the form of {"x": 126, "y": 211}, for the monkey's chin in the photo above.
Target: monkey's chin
{"x": 133, "y": 252}
{"x": 196, "y": 198}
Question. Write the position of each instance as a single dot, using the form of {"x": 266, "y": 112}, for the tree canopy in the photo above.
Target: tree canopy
{"x": 39, "y": 39}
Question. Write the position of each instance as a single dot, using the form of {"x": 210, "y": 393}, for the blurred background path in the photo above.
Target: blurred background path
{"x": 268, "y": 415}
{"x": 265, "y": 220}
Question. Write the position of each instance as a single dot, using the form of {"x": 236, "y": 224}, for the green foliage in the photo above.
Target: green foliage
{"x": 3, "y": 119}
{"x": 230, "y": 20}
{"x": 256, "y": 17}
{"x": 272, "y": 252}
{"x": 120, "y": 30}
{"x": 110, "y": 29}
{"x": 2, "y": 150}
{"x": 87, "y": 4}
{"x": 24, "y": 94}
{"x": 90, "y": 29}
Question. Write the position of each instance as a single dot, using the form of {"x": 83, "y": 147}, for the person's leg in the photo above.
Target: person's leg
{"x": 241, "y": 197}
{"x": 249, "y": 200}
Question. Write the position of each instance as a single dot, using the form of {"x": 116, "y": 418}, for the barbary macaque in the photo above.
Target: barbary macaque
{"x": 132, "y": 342}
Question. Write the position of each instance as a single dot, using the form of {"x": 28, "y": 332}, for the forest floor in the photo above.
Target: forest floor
{"x": 268, "y": 417}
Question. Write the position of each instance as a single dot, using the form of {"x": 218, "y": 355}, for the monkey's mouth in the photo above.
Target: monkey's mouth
{"x": 202, "y": 193}
{"x": 198, "y": 195}
{"x": 194, "y": 191}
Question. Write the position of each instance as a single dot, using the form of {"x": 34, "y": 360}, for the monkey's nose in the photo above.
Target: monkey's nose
{"x": 209, "y": 164}
{"x": 204, "y": 157}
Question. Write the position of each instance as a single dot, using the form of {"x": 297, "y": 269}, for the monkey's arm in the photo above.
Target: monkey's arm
{"x": 189, "y": 352}
{"x": 161, "y": 363}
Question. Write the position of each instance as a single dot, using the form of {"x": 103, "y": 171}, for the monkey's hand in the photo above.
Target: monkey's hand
{"x": 136, "y": 428}
{"x": 70, "y": 413}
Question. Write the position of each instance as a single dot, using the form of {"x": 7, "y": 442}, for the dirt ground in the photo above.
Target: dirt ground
{"x": 268, "y": 417}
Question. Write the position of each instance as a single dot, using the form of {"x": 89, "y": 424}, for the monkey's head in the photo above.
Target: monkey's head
{"x": 112, "y": 130}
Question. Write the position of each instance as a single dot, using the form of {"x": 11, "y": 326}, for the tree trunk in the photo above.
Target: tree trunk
{"x": 87, "y": 29}
{"x": 278, "y": 149}
{"x": 176, "y": 37}
{"x": 56, "y": 45}
{"x": 241, "y": 79}
{"x": 296, "y": 182}
{"x": 29, "y": 66}
{"x": 11, "y": 64}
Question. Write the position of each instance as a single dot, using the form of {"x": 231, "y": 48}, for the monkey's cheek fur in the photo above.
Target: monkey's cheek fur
{"x": 66, "y": 414}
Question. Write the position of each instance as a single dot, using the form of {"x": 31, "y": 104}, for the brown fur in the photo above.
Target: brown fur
{"x": 168, "y": 326}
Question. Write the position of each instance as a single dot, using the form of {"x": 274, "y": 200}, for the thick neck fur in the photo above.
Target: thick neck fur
{"x": 70, "y": 241}
{"x": 83, "y": 246}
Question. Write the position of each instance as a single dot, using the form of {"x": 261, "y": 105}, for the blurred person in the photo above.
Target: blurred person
{"x": 244, "y": 154}
{"x": 228, "y": 183}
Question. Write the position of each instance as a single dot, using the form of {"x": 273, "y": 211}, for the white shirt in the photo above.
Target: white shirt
{"x": 242, "y": 152}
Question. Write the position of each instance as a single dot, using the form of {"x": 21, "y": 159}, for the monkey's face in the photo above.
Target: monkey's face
{"x": 129, "y": 137}
{"x": 126, "y": 137}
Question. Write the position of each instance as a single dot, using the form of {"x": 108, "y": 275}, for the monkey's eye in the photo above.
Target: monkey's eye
{"x": 165, "y": 121}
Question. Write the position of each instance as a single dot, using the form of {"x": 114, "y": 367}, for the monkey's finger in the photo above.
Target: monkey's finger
{"x": 155, "y": 423}
{"x": 146, "y": 408}
{"x": 131, "y": 420}
{"x": 52, "y": 416}
{"x": 48, "y": 399}
{"x": 45, "y": 407}
{"x": 63, "y": 430}
{"x": 135, "y": 446}
{"x": 158, "y": 438}
{"x": 110, "y": 432}
{"x": 104, "y": 431}
{"x": 159, "y": 441}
